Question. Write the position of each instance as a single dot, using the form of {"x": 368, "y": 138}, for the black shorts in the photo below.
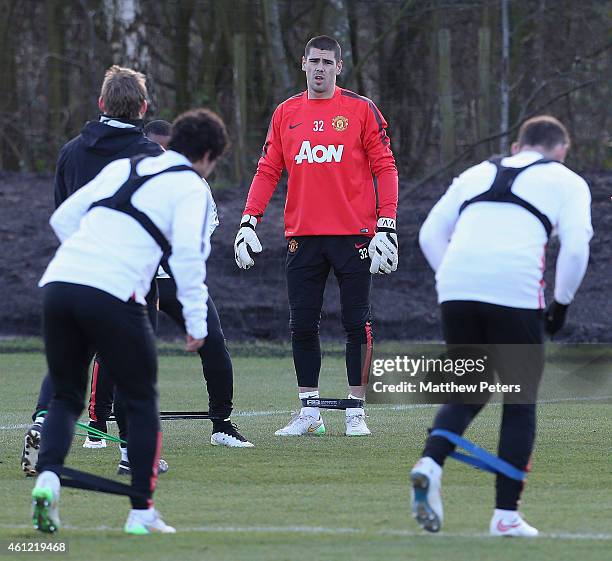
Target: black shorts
{"x": 309, "y": 262}
{"x": 514, "y": 338}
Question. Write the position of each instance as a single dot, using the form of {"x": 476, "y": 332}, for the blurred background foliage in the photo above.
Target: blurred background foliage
{"x": 454, "y": 78}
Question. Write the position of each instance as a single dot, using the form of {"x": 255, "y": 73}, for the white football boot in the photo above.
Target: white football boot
{"x": 301, "y": 425}
{"x": 225, "y": 433}
{"x": 94, "y": 444}
{"x": 426, "y": 477}
{"x": 31, "y": 445}
{"x": 510, "y": 523}
{"x": 147, "y": 521}
{"x": 45, "y": 503}
{"x": 356, "y": 423}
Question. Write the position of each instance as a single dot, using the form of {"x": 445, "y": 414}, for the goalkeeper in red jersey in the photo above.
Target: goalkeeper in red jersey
{"x": 332, "y": 142}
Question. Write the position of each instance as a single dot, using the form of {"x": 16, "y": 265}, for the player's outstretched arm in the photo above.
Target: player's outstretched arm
{"x": 247, "y": 243}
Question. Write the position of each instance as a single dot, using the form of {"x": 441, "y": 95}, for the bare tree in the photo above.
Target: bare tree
{"x": 504, "y": 81}
{"x": 241, "y": 58}
{"x": 445, "y": 93}
{"x": 181, "y": 51}
{"x": 484, "y": 80}
{"x": 277, "y": 47}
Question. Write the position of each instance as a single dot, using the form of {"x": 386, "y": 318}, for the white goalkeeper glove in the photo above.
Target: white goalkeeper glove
{"x": 246, "y": 242}
{"x": 383, "y": 249}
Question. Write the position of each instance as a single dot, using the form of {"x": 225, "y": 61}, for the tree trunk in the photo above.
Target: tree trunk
{"x": 484, "y": 83}
{"x": 504, "y": 80}
{"x": 240, "y": 105}
{"x": 318, "y": 18}
{"x": 182, "y": 32}
{"x": 353, "y": 20}
{"x": 447, "y": 118}
{"x": 341, "y": 31}
{"x": 9, "y": 153}
{"x": 212, "y": 58}
{"x": 53, "y": 9}
{"x": 276, "y": 50}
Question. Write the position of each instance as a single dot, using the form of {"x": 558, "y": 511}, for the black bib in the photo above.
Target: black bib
{"x": 501, "y": 191}
{"x": 122, "y": 200}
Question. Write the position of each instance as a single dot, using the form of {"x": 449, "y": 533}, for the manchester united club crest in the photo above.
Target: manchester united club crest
{"x": 340, "y": 123}
{"x": 293, "y": 245}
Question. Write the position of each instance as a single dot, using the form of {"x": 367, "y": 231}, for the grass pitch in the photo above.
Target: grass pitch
{"x": 319, "y": 498}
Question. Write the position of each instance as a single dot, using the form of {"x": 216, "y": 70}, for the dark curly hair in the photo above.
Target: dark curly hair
{"x": 198, "y": 132}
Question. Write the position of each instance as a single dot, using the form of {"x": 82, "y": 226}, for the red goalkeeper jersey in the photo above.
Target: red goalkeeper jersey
{"x": 331, "y": 149}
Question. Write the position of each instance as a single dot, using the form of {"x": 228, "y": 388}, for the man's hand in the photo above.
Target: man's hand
{"x": 246, "y": 242}
{"x": 192, "y": 345}
{"x": 383, "y": 249}
{"x": 554, "y": 317}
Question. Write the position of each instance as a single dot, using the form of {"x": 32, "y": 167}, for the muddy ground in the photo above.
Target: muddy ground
{"x": 253, "y": 304}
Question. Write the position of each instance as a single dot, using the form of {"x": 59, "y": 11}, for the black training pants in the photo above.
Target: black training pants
{"x": 309, "y": 261}
{"x": 216, "y": 362}
{"x": 102, "y": 387}
{"x": 77, "y": 321}
{"x": 469, "y": 322}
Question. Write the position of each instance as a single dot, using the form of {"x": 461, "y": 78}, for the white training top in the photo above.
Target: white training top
{"x": 111, "y": 251}
{"x": 495, "y": 252}
{"x": 213, "y": 222}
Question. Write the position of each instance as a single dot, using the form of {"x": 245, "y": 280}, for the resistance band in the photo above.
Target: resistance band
{"x": 331, "y": 403}
{"x": 478, "y": 457}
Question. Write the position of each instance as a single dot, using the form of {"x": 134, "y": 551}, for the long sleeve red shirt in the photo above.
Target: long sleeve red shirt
{"x": 331, "y": 149}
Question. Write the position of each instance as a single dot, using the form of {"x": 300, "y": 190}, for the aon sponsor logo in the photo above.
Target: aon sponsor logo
{"x": 319, "y": 154}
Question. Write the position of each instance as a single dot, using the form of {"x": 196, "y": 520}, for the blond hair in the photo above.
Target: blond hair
{"x": 123, "y": 92}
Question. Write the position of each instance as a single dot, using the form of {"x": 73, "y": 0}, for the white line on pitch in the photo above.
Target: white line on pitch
{"x": 399, "y": 407}
{"x": 333, "y": 531}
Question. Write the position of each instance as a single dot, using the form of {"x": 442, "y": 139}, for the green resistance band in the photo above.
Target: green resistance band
{"x": 90, "y": 431}
{"x": 98, "y": 433}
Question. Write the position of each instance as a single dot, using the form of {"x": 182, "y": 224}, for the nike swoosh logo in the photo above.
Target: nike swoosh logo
{"x": 503, "y": 528}
{"x": 293, "y": 126}
{"x": 360, "y": 245}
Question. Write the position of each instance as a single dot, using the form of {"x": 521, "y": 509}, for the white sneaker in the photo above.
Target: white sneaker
{"x": 356, "y": 424}
{"x": 225, "y": 433}
{"x": 94, "y": 444}
{"x": 45, "y": 502}
{"x": 300, "y": 425}
{"x": 147, "y": 521}
{"x": 427, "y": 508}
{"x": 31, "y": 445}
{"x": 510, "y": 523}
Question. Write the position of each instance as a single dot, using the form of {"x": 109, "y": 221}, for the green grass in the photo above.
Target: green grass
{"x": 313, "y": 498}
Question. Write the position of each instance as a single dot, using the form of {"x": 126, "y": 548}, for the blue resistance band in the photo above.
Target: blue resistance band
{"x": 479, "y": 458}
